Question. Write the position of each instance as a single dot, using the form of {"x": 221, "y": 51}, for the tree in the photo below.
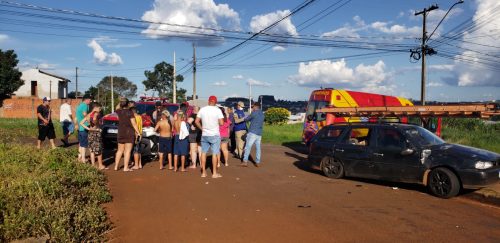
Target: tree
{"x": 10, "y": 77}
{"x": 160, "y": 80}
{"x": 121, "y": 86}
{"x": 73, "y": 95}
{"x": 92, "y": 92}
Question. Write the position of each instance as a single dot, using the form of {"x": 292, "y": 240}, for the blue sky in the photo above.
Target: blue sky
{"x": 466, "y": 67}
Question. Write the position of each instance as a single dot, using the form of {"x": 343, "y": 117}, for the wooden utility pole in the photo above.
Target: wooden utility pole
{"x": 112, "y": 95}
{"x": 424, "y": 49}
{"x": 50, "y": 89}
{"x": 76, "y": 82}
{"x": 194, "y": 73}
{"x": 174, "y": 92}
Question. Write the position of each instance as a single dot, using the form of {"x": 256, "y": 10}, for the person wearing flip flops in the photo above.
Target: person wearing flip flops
{"x": 209, "y": 119}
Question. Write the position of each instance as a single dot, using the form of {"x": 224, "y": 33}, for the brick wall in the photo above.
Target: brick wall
{"x": 26, "y": 107}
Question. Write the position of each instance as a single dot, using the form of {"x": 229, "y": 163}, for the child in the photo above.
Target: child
{"x": 95, "y": 140}
{"x": 224, "y": 138}
{"x": 164, "y": 126}
{"x": 137, "y": 144}
{"x": 181, "y": 142}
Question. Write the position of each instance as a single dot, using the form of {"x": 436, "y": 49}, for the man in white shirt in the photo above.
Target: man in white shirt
{"x": 208, "y": 119}
{"x": 66, "y": 119}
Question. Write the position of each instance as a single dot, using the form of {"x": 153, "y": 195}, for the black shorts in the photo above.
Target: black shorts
{"x": 46, "y": 131}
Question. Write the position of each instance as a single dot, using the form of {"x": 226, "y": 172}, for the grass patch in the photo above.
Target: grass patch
{"x": 47, "y": 193}
{"x": 472, "y": 132}
{"x": 13, "y": 128}
{"x": 282, "y": 134}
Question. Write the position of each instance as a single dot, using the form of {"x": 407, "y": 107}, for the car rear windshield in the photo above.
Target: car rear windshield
{"x": 423, "y": 136}
{"x": 145, "y": 108}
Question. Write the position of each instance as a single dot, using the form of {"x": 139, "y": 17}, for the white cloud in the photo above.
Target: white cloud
{"x": 434, "y": 84}
{"x": 396, "y": 29}
{"x": 474, "y": 72}
{"x": 131, "y": 45}
{"x": 254, "y": 82}
{"x": 102, "y": 57}
{"x": 182, "y": 13}
{"x": 286, "y": 26}
{"x": 346, "y": 31}
{"x": 3, "y": 37}
{"x": 220, "y": 83}
{"x": 370, "y": 78}
{"x": 279, "y": 48}
{"x": 238, "y": 76}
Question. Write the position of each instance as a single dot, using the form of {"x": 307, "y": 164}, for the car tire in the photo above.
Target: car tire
{"x": 332, "y": 168}
{"x": 443, "y": 183}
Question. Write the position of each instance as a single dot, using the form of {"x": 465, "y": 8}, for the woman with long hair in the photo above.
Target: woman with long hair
{"x": 127, "y": 132}
{"x": 194, "y": 139}
{"x": 224, "y": 138}
{"x": 94, "y": 122}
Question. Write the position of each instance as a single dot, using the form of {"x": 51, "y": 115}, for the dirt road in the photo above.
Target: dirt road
{"x": 285, "y": 202}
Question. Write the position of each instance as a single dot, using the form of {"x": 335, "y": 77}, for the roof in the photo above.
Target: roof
{"x": 53, "y": 75}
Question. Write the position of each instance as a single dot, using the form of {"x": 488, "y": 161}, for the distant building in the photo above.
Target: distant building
{"x": 38, "y": 83}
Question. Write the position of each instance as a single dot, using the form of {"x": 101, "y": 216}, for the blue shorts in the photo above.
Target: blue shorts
{"x": 83, "y": 139}
{"x": 137, "y": 146}
{"x": 210, "y": 142}
{"x": 181, "y": 146}
{"x": 165, "y": 145}
{"x": 68, "y": 127}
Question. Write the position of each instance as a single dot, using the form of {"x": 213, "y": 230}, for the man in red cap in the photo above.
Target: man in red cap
{"x": 209, "y": 119}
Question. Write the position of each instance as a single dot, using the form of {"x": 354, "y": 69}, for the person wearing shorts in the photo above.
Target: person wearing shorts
{"x": 66, "y": 119}
{"x": 209, "y": 119}
{"x": 224, "y": 131}
{"x": 137, "y": 144}
{"x": 164, "y": 127}
{"x": 83, "y": 142}
{"x": 180, "y": 140}
{"x": 194, "y": 139}
{"x": 45, "y": 125}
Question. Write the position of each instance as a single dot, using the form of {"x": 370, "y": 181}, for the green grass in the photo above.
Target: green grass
{"x": 282, "y": 134}
{"x": 46, "y": 192}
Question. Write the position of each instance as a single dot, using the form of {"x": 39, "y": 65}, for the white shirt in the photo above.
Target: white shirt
{"x": 65, "y": 112}
{"x": 210, "y": 116}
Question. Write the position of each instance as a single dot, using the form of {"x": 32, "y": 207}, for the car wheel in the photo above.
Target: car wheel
{"x": 332, "y": 167}
{"x": 443, "y": 183}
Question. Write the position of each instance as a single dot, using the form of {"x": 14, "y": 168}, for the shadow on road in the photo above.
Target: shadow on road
{"x": 297, "y": 147}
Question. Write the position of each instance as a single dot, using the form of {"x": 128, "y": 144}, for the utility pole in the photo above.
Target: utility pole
{"x": 250, "y": 97}
{"x": 76, "y": 81}
{"x": 194, "y": 73}
{"x": 174, "y": 92}
{"x": 424, "y": 49}
{"x": 50, "y": 89}
{"x": 112, "y": 95}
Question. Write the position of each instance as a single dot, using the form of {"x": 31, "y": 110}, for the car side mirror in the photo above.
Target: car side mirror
{"x": 407, "y": 151}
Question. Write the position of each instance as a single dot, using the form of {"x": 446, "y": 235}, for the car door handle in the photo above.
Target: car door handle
{"x": 339, "y": 150}
{"x": 377, "y": 154}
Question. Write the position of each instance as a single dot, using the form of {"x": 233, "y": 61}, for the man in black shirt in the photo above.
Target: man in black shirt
{"x": 45, "y": 125}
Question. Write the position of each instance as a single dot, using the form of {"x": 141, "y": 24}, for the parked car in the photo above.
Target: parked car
{"x": 402, "y": 153}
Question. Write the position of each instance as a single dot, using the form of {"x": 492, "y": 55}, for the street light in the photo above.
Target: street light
{"x": 459, "y": 2}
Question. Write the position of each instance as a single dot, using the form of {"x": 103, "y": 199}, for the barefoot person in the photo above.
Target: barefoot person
{"x": 180, "y": 140}
{"x": 194, "y": 139}
{"x": 45, "y": 125}
{"x": 224, "y": 138}
{"x": 164, "y": 127}
{"x": 137, "y": 144}
{"x": 83, "y": 142}
{"x": 209, "y": 119}
{"x": 66, "y": 119}
{"x": 94, "y": 120}
{"x": 127, "y": 132}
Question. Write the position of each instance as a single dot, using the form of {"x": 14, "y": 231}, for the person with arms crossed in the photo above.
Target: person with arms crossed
{"x": 45, "y": 125}
{"x": 240, "y": 129}
{"x": 209, "y": 119}
{"x": 254, "y": 135}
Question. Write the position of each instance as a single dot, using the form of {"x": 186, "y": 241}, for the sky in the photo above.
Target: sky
{"x": 346, "y": 44}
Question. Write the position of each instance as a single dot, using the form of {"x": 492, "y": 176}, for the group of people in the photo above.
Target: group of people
{"x": 190, "y": 131}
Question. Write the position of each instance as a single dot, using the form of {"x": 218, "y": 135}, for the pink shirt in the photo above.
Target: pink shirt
{"x": 224, "y": 129}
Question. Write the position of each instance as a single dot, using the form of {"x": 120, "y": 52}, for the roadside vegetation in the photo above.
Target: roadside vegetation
{"x": 47, "y": 194}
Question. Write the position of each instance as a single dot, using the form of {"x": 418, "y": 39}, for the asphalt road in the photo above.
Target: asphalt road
{"x": 284, "y": 201}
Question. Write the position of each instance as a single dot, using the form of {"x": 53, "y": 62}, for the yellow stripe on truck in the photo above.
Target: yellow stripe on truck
{"x": 404, "y": 101}
{"x": 344, "y": 100}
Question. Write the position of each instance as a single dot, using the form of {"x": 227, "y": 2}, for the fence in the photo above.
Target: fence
{"x": 26, "y": 107}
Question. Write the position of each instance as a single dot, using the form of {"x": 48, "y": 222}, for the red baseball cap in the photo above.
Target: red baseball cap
{"x": 212, "y": 99}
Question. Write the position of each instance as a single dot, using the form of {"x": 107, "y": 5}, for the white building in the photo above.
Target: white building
{"x": 38, "y": 83}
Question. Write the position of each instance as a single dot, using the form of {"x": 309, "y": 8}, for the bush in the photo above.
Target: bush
{"x": 47, "y": 193}
{"x": 276, "y": 116}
